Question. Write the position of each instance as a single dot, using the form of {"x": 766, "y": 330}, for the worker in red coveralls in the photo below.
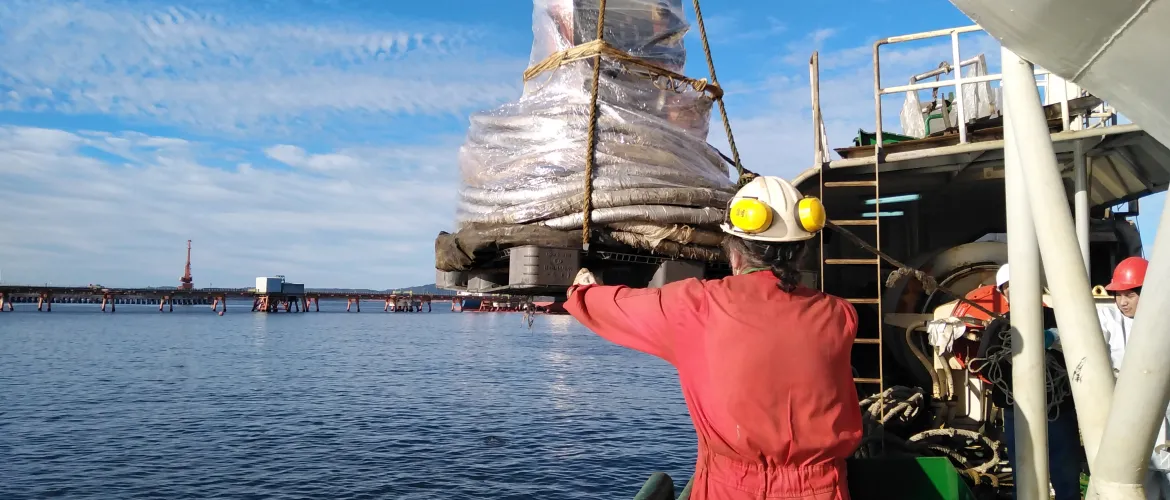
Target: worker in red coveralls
{"x": 764, "y": 363}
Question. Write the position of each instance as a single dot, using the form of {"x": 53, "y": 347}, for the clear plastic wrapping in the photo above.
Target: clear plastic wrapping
{"x": 980, "y": 100}
{"x": 524, "y": 162}
{"x": 913, "y": 121}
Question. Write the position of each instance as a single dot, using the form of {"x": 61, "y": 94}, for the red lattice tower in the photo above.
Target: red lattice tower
{"x": 185, "y": 281}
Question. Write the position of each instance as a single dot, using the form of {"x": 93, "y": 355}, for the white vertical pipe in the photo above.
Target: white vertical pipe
{"x": 1085, "y": 354}
{"x": 1143, "y": 388}
{"x": 1081, "y": 200}
{"x": 959, "y": 87}
{"x": 1028, "y": 385}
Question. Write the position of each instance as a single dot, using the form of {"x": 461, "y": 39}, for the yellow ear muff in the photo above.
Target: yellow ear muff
{"x": 750, "y": 215}
{"x": 811, "y": 214}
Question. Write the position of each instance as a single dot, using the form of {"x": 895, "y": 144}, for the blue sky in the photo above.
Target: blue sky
{"x": 318, "y": 138}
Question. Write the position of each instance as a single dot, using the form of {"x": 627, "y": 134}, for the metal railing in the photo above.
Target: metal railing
{"x": 957, "y": 81}
{"x": 1072, "y": 129}
{"x": 1103, "y": 114}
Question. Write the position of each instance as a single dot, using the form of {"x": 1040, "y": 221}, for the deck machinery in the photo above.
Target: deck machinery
{"x": 936, "y": 204}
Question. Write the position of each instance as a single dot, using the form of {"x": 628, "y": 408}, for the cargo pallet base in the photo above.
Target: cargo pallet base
{"x": 533, "y": 270}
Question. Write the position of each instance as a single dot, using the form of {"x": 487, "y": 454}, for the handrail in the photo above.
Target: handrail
{"x": 1071, "y": 129}
{"x": 957, "y": 81}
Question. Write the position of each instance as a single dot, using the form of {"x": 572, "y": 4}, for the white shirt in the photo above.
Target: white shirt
{"x": 1116, "y": 328}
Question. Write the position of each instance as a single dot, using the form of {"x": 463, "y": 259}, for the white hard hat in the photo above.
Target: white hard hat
{"x": 772, "y": 210}
{"x": 1001, "y": 276}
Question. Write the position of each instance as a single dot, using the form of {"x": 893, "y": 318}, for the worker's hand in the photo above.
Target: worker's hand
{"x": 1052, "y": 339}
{"x": 584, "y": 277}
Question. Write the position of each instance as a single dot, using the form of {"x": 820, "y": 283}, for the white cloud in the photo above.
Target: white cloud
{"x": 72, "y": 218}
{"x": 198, "y": 69}
{"x": 115, "y": 208}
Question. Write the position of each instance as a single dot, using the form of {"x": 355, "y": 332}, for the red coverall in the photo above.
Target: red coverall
{"x": 766, "y": 376}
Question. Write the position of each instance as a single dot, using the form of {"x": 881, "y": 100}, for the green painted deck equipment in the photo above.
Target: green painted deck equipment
{"x": 868, "y": 138}
{"x": 921, "y": 478}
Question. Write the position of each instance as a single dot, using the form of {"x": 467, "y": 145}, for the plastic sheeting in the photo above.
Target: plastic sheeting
{"x": 980, "y": 100}
{"x": 524, "y": 162}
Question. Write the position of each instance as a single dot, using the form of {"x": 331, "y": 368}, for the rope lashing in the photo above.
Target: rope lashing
{"x": 929, "y": 284}
{"x": 743, "y": 177}
{"x": 598, "y": 49}
{"x": 602, "y": 48}
{"x": 591, "y": 145}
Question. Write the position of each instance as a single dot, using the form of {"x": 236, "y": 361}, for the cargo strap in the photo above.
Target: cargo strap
{"x": 929, "y": 284}
{"x": 743, "y": 175}
{"x": 676, "y": 82}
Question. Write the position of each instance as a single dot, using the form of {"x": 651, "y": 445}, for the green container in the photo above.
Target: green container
{"x": 869, "y": 138}
{"x": 922, "y": 478}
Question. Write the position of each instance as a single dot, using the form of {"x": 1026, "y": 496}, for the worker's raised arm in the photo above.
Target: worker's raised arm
{"x": 651, "y": 320}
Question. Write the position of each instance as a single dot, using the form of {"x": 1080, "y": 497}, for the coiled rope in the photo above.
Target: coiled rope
{"x": 1056, "y": 386}
{"x": 973, "y": 454}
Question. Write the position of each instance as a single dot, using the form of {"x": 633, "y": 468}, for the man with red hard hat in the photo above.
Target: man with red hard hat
{"x": 1127, "y": 284}
{"x": 1116, "y": 324}
{"x": 763, "y": 362}
{"x": 1126, "y": 288}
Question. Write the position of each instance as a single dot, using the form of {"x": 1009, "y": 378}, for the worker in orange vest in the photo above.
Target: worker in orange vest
{"x": 764, "y": 363}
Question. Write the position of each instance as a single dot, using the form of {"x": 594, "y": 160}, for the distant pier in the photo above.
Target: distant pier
{"x": 269, "y": 301}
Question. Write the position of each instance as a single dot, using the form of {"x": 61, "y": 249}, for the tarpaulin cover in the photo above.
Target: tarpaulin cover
{"x": 523, "y": 163}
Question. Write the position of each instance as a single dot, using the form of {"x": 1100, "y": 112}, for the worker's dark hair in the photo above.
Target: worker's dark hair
{"x": 781, "y": 258}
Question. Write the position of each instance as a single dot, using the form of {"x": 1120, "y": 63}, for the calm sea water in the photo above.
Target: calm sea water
{"x": 188, "y": 404}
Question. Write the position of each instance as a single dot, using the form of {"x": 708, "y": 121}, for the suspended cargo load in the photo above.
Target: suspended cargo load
{"x": 615, "y": 157}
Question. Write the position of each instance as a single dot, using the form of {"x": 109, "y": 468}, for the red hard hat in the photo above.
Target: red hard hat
{"x": 1129, "y": 274}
